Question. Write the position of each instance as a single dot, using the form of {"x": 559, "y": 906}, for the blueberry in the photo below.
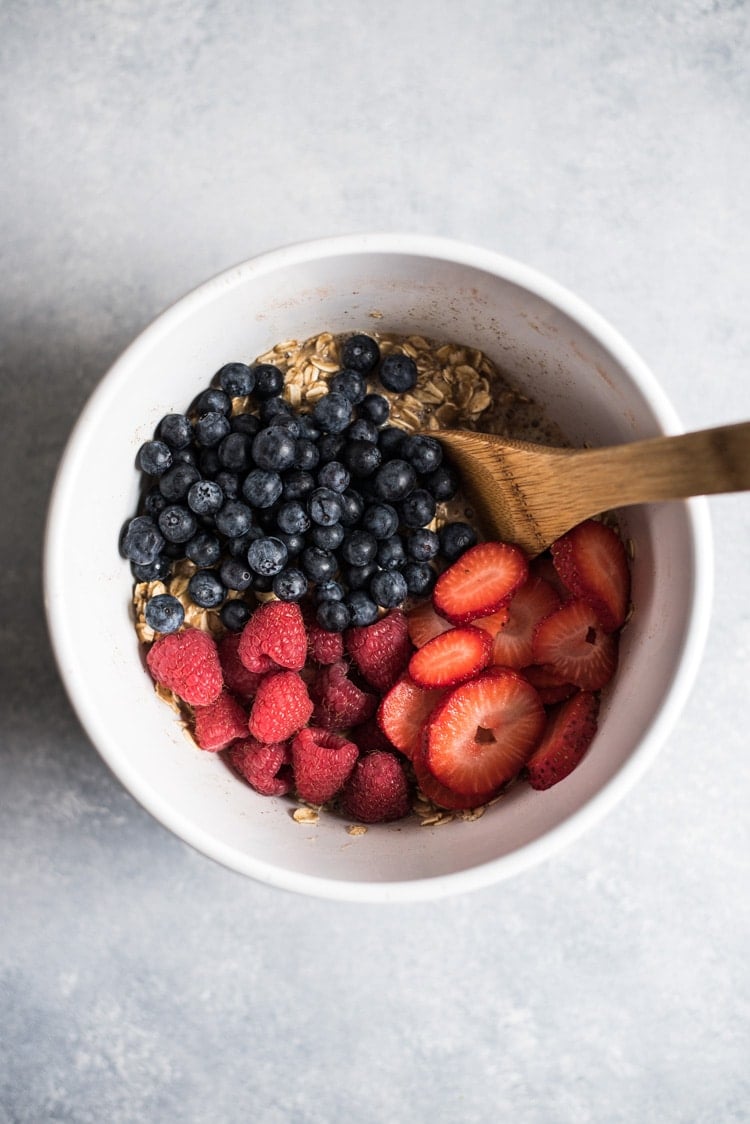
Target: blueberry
{"x": 307, "y": 427}
{"x": 176, "y": 430}
{"x": 362, "y": 430}
{"x": 286, "y": 421}
{"x": 324, "y": 506}
{"x": 388, "y": 588}
{"x": 249, "y": 424}
{"x": 329, "y": 591}
{"x": 188, "y": 455}
{"x": 319, "y": 565}
{"x": 235, "y": 614}
{"x": 267, "y": 556}
{"x": 425, "y": 453}
{"x": 380, "y": 519}
{"x": 239, "y": 546}
{"x": 294, "y": 543}
{"x": 177, "y": 523}
{"x": 213, "y": 400}
{"x": 164, "y": 613}
{"x": 333, "y": 616}
{"x": 174, "y": 551}
{"x": 359, "y": 577}
{"x": 390, "y": 439}
{"x": 155, "y": 571}
{"x": 154, "y": 502}
{"x": 176, "y": 481}
{"x": 351, "y": 384}
{"x": 352, "y": 506}
{"x": 272, "y": 409}
{"x": 394, "y": 480}
{"x": 210, "y": 427}
{"x": 362, "y": 609}
{"x": 422, "y": 545}
{"x": 204, "y": 549}
{"x": 360, "y": 353}
{"x": 375, "y": 408}
{"x": 154, "y": 457}
{"x": 262, "y": 489}
{"x": 398, "y": 373}
{"x": 269, "y": 380}
{"x": 208, "y": 462}
{"x": 297, "y": 483}
{"x": 443, "y": 483}
{"x": 233, "y": 451}
{"x": 327, "y": 538}
{"x": 420, "y": 578}
{"x": 290, "y": 585}
{"x": 273, "y": 449}
{"x": 205, "y": 589}
{"x": 234, "y": 519}
{"x": 359, "y": 548}
{"x": 229, "y": 482}
{"x": 235, "y": 573}
{"x": 333, "y": 412}
{"x": 418, "y": 509}
{"x": 292, "y": 518}
{"x": 205, "y": 497}
{"x": 236, "y": 379}
{"x": 362, "y": 458}
{"x": 306, "y": 454}
{"x": 391, "y": 554}
{"x": 330, "y": 447}
{"x": 334, "y": 475}
{"x": 455, "y": 538}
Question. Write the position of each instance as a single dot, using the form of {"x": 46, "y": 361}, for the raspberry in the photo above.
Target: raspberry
{"x": 281, "y": 707}
{"x": 264, "y": 767}
{"x": 381, "y": 650}
{"x": 274, "y": 637}
{"x": 340, "y": 703}
{"x": 377, "y": 790}
{"x": 239, "y": 680}
{"x": 187, "y": 663}
{"x": 322, "y": 761}
{"x": 324, "y": 647}
{"x": 368, "y": 737}
{"x": 220, "y": 723}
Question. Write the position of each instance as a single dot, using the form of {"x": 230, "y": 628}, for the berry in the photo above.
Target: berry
{"x": 359, "y": 577}
{"x": 205, "y": 497}
{"x": 352, "y": 506}
{"x": 569, "y": 732}
{"x": 382, "y": 650}
{"x": 324, "y": 647}
{"x": 275, "y": 411}
{"x": 233, "y": 452}
{"x": 388, "y": 588}
{"x": 306, "y": 455}
{"x": 307, "y": 427}
{"x": 420, "y": 578}
{"x": 390, "y": 440}
{"x": 248, "y": 424}
{"x": 229, "y": 482}
{"x": 529, "y": 605}
{"x": 234, "y": 519}
{"x": 142, "y": 541}
{"x": 235, "y": 574}
{"x": 451, "y": 658}
{"x": 267, "y": 556}
{"x": 235, "y": 614}
{"x": 292, "y": 518}
{"x": 375, "y": 408}
{"x": 211, "y": 427}
{"x": 333, "y": 412}
{"x": 380, "y": 519}
{"x": 177, "y": 523}
{"x": 360, "y": 353}
{"x": 455, "y": 539}
{"x": 403, "y": 711}
{"x": 424, "y": 453}
{"x": 422, "y": 545}
{"x": 391, "y": 553}
{"x": 236, "y": 379}
{"x": 359, "y": 548}
{"x": 437, "y": 792}
{"x": 330, "y": 447}
{"x": 339, "y": 702}
{"x": 362, "y": 430}
{"x": 394, "y": 480}
{"x": 213, "y": 399}
{"x": 418, "y": 508}
{"x": 398, "y": 373}
{"x": 175, "y": 430}
{"x": 262, "y": 489}
{"x": 205, "y": 589}
{"x": 324, "y": 506}
{"x": 274, "y": 449}
{"x": 175, "y": 483}
{"x": 482, "y": 733}
{"x": 377, "y": 790}
{"x": 290, "y": 584}
{"x": 572, "y": 642}
{"x": 322, "y": 762}
{"x": 319, "y": 565}
{"x": 362, "y": 457}
{"x": 333, "y": 616}
{"x": 349, "y": 383}
{"x": 153, "y": 502}
{"x": 237, "y": 678}
{"x": 442, "y": 483}
{"x": 480, "y": 582}
{"x": 204, "y": 549}
{"x": 274, "y": 637}
{"x": 264, "y": 767}
{"x": 550, "y": 687}
{"x": 327, "y": 538}
{"x": 593, "y": 565}
{"x": 329, "y": 590}
{"x": 187, "y": 663}
{"x": 155, "y": 571}
{"x": 269, "y": 381}
{"x": 281, "y": 707}
{"x": 164, "y": 613}
{"x": 154, "y": 458}
{"x": 334, "y": 475}
{"x": 423, "y": 623}
{"x": 362, "y": 609}
{"x": 297, "y": 483}
{"x": 220, "y": 723}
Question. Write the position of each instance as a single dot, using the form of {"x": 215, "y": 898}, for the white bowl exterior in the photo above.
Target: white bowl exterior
{"x": 551, "y": 345}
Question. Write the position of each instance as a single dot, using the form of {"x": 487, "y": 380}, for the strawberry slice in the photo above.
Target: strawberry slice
{"x": 534, "y": 601}
{"x": 570, "y": 730}
{"x": 437, "y": 792}
{"x": 550, "y": 687}
{"x": 480, "y": 582}
{"x": 451, "y": 658}
{"x": 573, "y": 645}
{"x": 494, "y": 622}
{"x": 424, "y": 623}
{"x": 592, "y": 562}
{"x": 403, "y": 711}
{"x": 482, "y": 733}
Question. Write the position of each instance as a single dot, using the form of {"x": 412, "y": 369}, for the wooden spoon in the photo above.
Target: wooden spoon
{"x": 531, "y": 494}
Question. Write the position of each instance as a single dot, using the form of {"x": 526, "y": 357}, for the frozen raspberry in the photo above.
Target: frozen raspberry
{"x": 339, "y": 701}
{"x": 239, "y": 680}
{"x": 274, "y": 637}
{"x": 377, "y": 790}
{"x": 264, "y": 767}
{"x": 187, "y": 663}
{"x": 322, "y": 761}
{"x": 220, "y": 723}
{"x": 280, "y": 708}
{"x": 381, "y": 650}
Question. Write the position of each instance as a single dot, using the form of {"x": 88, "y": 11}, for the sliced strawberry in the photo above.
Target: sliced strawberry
{"x": 592, "y": 562}
{"x": 494, "y": 622}
{"x": 543, "y": 567}
{"x": 437, "y": 792}
{"x": 403, "y": 711}
{"x": 480, "y": 582}
{"x": 482, "y": 733}
{"x": 550, "y": 687}
{"x": 534, "y": 601}
{"x": 424, "y": 623}
{"x": 570, "y": 730}
{"x": 575, "y": 647}
{"x": 451, "y": 658}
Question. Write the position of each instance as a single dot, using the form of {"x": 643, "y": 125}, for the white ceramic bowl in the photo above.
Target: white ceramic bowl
{"x": 555, "y": 348}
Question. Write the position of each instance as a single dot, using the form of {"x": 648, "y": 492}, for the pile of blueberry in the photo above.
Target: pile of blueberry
{"x": 334, "y": 502}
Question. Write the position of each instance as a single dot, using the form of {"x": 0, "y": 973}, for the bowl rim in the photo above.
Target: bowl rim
{"x": 697, "y": 616}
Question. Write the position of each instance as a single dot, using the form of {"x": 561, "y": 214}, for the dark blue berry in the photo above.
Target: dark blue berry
{"x": 380, "y": 519}
{"x": 361, "y": 457}
{"x": 289, "y": 422}
{"x": 154, "y": 502}
{"x": 213, "y": 400}
{"x": 418, "y": 509}
{"x": 422, "y": 545}
{"x": 176, "y": 481}
{"x": 204, "y": 549}
{"x": 292, "y": 518}
{"x": 329, "y": 591}
{"x": 235, "y": 573}
{"x": 307, "y": 427}
{"x": 205, "y": 589}
{"x": 267, "y": 556}
{"x": 327, "y": 538}
{"x": 443, "y": 483}
{"x": 235, "y": 614}
{"x": 352, "y": 506}
{"x": 236, "y": 379}
{"x": 274, "y": 449}
{"x": 419, "y": 577}
{"x": 177, "y": 523}
{"x": 359, "y": 548}
{"x": 290, "y": 584}
{"x": 391, "y": 554}
{"x": 398, "y": 373}
{"x": 333, "y": 616}
{"x": 294, "y": 543}
{"x": 362, "y": 609}
{"x": 208, "y": 462}
{"x": 211, "y": 427}
{"x": 297, "y": 483}
{"x": 360, "y": 353}
{"x": 154, "y": 457}
{"x": 330, "y": 447}
{"x": 388, "y": 588}
{"x": 359, "y": 577}
{"x": 205, "y": 497}
{"x": 362, "y": 430}
{"x": 262, "y": 583}
{"x": 425, "y": 453}
{"x": 390, "y": 439}
{"x": 375, "y": 408}
{"x": 333, "y": 412}
{"x": 319, "y": 565}
{"x": 155, "y": 571}
{"x": 188, "y": 455}
{"x": 455, "y": 538}
{"x": 306, "y": 455}
{"x": 262, "y": 489}
{"x": 269, "y": 380}
{"x": 233, "y": 452}
{"x": 324, "y": 506}
{"x": 239, "y": 547}
{"x": 234, "y": 519}
{"x": 164, "y": 613}
{"x": 174, "y": 551}
{"x": 334, "y": 475}
{"x": 229, "y": 482}
{"x": 249, "y": 424}
{"x": 394, "y": 480}
{"x": 273, "y": 410}
{"x": 176, "y": 430}
{"x": 351, "y": 384}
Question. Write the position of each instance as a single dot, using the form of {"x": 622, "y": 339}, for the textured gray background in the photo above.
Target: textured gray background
{"x": 145, "y": 147}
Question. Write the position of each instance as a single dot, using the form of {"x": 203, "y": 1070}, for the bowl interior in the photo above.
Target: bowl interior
{"x": 547, "y": 344}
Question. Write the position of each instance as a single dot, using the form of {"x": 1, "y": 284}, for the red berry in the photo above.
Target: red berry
{"x": 280, "y": 708}
{"x": 513, "y": 644}
{"x": 381, "y": 650}
{"x": 377, "y": 790}
{"x": 403, "y": 711}
{"x": 483, "y": 579}
{"x": 264, "y": 767}
{"x": 573, "y": 645}
{"x": 274, "y": 637}
{"x": 218, "y": 724}
{"x": 451, "y": 658}
{"x": 550, "y": 687}
{"x": 322, "y": 761}
{"x": 423, "y": 623}
{"x": 435, "y": 791}
{"x": 324, "y": 647}
{"x": 339, "y": 701}
{"x": 239, "y": 680}
{"x": 569, "y": 733}
{"x": 187, "y": 663}
{"x": 592, "y": 562}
